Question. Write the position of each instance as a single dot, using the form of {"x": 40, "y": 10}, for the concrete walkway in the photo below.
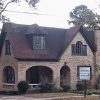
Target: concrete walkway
{"x": 31, "y": 98}
{"x": 18, "y": 98}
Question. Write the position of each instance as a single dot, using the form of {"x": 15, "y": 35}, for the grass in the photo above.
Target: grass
{"x": 79, "y": 98}
{"x": 50, "y": 95}
{"x": 63, "y": 96}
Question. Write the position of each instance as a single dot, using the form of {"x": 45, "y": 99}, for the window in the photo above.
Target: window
{"x": 9, "y": 75}
{"x": 38, "y": 43}
{"x": 78, "y": 71}
{"x": 7, "y": 47}
{"x": 79, "y": 49}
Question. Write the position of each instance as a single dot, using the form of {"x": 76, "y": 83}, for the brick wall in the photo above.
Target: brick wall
{"x": 21, "y": 67}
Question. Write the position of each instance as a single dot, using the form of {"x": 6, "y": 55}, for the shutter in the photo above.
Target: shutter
{"x": 84, "y": 49}
{"x": 73, "y": 49}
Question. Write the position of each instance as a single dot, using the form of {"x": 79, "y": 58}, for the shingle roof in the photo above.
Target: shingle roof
{"x": 57, "y": 40}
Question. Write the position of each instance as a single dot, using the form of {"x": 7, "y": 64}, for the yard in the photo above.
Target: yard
{"x": 63, "y": 96}
{"x": 49, "y": 96}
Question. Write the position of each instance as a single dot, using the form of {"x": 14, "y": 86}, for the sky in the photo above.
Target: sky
{"x": 50, "y": 13}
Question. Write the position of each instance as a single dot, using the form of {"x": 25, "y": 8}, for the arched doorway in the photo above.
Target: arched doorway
{"x": 65, "y": 76}
{"x": 9, "y": 75}
{"x": 39, "y": 74}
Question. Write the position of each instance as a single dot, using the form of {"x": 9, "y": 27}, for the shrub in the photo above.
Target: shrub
{"x": 46, "y": 87}
{"x": 97, "y": 84}
{"x": 80, "y": 86}
{"x": 66, "y": 88}
{"x": 89, "y": 92}
{"x": 23, "y": 87}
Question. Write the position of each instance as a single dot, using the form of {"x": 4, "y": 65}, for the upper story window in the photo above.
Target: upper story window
{"x": 79, "y": 49}
{"x": 38, "y": 42}
{"x": 7, "y": 47}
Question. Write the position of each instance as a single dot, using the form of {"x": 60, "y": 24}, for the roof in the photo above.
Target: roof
{"x": 57, "y": 40}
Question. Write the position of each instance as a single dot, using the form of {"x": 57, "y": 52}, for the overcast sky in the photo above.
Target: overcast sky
{"x": 52, "y": 13}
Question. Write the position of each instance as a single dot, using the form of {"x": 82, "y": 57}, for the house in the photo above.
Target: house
{"x": 38, "y": 54}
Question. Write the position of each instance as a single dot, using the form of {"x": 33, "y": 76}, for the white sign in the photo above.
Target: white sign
{"x": 84, "y": 73}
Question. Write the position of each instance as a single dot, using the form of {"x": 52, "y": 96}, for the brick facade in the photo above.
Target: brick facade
{"x": 20, "y": 67}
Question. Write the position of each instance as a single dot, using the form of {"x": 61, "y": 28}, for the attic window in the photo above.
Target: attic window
{"x": 38, "y": 42}
{"x": 7, "y": 47}
{"x": 79, "y": 49}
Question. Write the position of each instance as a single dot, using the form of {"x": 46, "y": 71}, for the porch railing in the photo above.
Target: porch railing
{"x": 8, "y": 86}
{"x": 34, "y": 87}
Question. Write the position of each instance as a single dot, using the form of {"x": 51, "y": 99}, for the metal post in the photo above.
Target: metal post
{"x": 85, "y": 88}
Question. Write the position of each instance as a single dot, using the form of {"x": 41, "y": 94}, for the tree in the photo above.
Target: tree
{"x": 5, "y": 3}
{"x": 81, "y": 15}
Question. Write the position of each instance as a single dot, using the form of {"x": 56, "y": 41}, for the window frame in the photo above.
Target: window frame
{"x": 38, "y": 42}
{"x": 7, "y": 47}
{"x": 78, "y": 49}
{"x": 9, "y": 74}
{"x": 78, "y": 67}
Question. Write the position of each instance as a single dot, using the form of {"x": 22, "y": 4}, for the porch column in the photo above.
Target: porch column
{"x": 73, "y": 78}
{"x": 21, "y": 73}
{"x": 56, "y": 78}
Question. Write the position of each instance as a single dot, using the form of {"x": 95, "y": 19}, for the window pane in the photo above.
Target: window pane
{"x": 7, "y": 47}
{"x": 38, "y": 43}
{"x": 9, "y": 75}
{"x": 79, "y": 47}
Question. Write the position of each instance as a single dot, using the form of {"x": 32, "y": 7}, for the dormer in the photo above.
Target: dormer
{"x": 36, "y": 37}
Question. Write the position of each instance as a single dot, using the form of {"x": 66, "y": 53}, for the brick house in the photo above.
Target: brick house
{"x": 37, "y": 54}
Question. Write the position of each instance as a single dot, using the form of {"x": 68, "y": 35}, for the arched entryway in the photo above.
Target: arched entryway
{"x": 65, "y": 76}
{"x": 9, "y": 75}
{"x": 39, "y": 74}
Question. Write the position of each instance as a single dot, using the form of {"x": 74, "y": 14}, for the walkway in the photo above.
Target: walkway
{"x": 30, "y": 98}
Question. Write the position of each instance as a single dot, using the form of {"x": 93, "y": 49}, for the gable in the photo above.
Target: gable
{"x": 89, "y": 36}
{"x": 79, "y": 37}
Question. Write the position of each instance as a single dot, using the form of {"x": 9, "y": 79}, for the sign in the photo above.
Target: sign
{"x": 84, "y": 73}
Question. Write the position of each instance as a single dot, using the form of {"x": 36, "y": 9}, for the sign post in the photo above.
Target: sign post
{"x": 84, "y": 74}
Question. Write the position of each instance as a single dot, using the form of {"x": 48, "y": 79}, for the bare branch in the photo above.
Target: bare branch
{"x": 5, "y": 7}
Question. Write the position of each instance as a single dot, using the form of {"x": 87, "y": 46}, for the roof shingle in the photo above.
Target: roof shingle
{"x": 57, "y": 40}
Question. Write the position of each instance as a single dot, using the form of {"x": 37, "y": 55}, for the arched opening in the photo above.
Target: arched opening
{"x": 65, "y": 76}
{"x": 39, "y": 74}
{"x": 9, "y": 74}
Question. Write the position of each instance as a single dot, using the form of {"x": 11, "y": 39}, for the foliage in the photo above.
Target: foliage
{"x": 5, "y": 3}
{"x": 66, "y": 88}
{"x": 97, "y": 84}
{"x": 89, "y": 92}
{"x": 80, "y": 86}
{"x": 81, "y": 15}
{"x": 46, "y": 87}
{"x": 23, "y": 87}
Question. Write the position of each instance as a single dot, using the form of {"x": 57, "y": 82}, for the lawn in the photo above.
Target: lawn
{"x": 50, "y": 95}
{"x": 79, "y": 98}
{"x": 63, "y": 96}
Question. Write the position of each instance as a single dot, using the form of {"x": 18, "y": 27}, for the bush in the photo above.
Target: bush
{"x": 46, "y": 87}
{"x": 80, "y": 86}
{"x": 89, "y": 92}
{"x": 97, "y": 84}
{"x": 23, "y": 87}
{"x": 66, "y": 88}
